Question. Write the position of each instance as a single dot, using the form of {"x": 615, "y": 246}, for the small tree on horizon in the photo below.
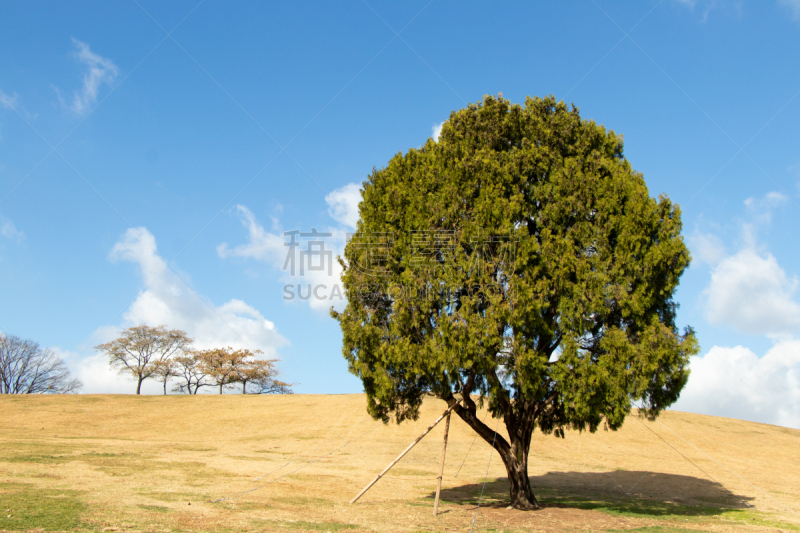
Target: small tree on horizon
{"x": 226, "y": 367}
{"x": 190, "y": 370}
{"x": 260, "y": 375}
{"x": 141, "y": 350}
{"x": 164, "y": 370}
{"x": 221, "y": 365}
{"x": 521, "y": 259}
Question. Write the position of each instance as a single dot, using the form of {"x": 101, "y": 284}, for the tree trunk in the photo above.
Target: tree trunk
{"x": 244, "y": 384}
{"x": 519, "y": 484}
{"x": 139, "y": 385}
{"x": 220, "y": 388}
{"x": 514, "y": 455}
{"x": 165, "y": 387}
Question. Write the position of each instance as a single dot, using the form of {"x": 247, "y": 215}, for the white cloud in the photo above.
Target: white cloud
{"x": 8, "y": 101}
{"x": 166, "y": 299}
{"x": 9, "y": 230}
{"x": 776, "y": 198}
{"x": 99, "y": 71}
{"x": 343, "y": 204}
{"x": 262, "y": 245}
{"x": 749, "y": 290}
{"x": 760, "y": 209}
{"x": 437, "y": 130}
{"x": 753, "y": 293}
{"x": 730, "y": 7}
{"x": 707, "y": 247}
{"x": 793, "y": 6}
{"x": 321, "y": 287}
{"x": 734, "y": 382}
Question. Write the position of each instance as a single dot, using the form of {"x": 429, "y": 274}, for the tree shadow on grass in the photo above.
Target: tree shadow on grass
{"x": 621, "y": 493}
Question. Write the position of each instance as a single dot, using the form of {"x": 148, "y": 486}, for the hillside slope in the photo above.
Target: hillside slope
{"x": 157, "y": 463}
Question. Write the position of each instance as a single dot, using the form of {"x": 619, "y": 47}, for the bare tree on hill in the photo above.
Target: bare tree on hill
{"x": 258, "y": 377}
{"x": 164, "y": 370}
{"x": 221, "y": 364}
{"x": 141, "y": 350}
{"x": 191, "y": 373}
{"x": 227, "y": 367}
{"x": 26, "y": 368}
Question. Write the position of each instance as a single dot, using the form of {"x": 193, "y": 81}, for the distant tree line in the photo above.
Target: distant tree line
{"x": 27, "y": 368}
{"x": 145, "y": 352}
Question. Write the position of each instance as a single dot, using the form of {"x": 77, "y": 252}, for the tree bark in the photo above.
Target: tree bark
{"x": 139, "y": 385}
{"x": 220, "y": 388}
{"x": 514, "y": 455}
{"x": 519, "y": 484}
{"x": 165, "y": 387}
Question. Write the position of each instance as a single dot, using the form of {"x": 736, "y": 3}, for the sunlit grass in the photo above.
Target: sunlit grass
{"x": 25, "y": 507}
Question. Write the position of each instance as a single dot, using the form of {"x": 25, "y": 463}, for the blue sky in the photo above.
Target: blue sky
{"x": 151, "y": 156}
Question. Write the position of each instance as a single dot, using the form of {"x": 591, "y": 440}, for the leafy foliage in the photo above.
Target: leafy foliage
{"x": 520, "y": 258}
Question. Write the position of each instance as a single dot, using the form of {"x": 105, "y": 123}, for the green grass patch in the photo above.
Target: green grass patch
{"x": 44, "y": 459}
{"x": 190, "y": 449}
{"x": 30, "y": 507}
{"x": 655, "y": 529}
{"x": 46, "y": 475}
{"x": 56, "y": 454}
{"x": 37, "y": 453}
{"x": 748, "y": 516}
{"x": 154, "y": 508}
{"x": 301, "y": 525}
{"x": 319, "y": 478}
{"x": 247, "y": 458}
{"x": 301, "y": 436}
{"x": 175, "y": 496}
{"x": 634, "y": 508}
{"x": 411, "y": 472}
{"x": 303, "y": 501}
{"x": 243, "y": 506}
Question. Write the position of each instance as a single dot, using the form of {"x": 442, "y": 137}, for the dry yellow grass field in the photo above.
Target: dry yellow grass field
{"x": 292, "y": 463}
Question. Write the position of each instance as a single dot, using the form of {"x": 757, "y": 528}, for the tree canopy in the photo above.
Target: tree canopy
{"x": 519, "y": 261}
{"x": 227, "y": 367}
{"x": 142, "y": 351}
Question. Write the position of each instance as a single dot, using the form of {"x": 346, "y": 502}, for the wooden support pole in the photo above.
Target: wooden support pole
{"x": 441, "y": 469}
{"x": 446, "y": 413}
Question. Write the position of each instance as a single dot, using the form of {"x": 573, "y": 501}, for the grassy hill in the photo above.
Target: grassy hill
{"x": 292, "y": 463}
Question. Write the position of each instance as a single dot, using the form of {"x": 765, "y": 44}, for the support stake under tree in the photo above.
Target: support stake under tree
{"x": 445, "y": 414}
{"x": 441, "y": 468}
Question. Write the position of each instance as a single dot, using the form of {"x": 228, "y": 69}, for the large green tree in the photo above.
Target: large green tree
{"x": 518, "y": 261}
